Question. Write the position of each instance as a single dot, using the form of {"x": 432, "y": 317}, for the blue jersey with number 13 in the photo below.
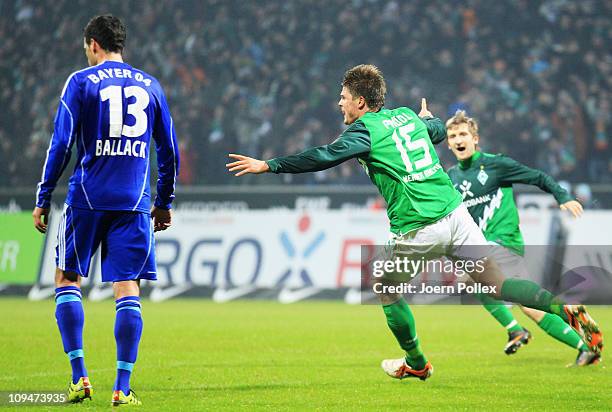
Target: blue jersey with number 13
{"x": 110, "y": 112}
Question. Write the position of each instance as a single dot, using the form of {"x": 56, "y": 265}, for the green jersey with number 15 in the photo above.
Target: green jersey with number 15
{"x": 395, "y": 149}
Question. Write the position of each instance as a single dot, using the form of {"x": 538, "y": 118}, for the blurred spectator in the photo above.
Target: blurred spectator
{"x": 262, "y": 77}
{"x": 585, "y": 196}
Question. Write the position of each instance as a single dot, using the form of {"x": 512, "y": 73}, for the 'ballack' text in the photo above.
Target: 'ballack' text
{"x": 121, "y": 147}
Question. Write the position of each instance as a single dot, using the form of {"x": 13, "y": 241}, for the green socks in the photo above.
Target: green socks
{"x": 530, "y": 294}
{"x": 554, "y": 323}
{"x": 500, "y": 312}
{"x": 558, "y": 329}
{"x": 402, "y": 324}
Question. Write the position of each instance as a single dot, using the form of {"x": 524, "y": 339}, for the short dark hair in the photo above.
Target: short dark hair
{"x": 366, "y": 80}
{"x": 108, "y": 31}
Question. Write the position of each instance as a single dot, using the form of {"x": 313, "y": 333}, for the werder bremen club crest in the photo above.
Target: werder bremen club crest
{"x": 482, "y": 177}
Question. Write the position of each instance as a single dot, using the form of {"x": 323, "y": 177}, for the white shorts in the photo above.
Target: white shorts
{"x": 510, "y": 264}
{"x": 455, "y": 236}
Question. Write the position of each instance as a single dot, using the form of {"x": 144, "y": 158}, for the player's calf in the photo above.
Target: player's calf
{"x": 70, "y": 320}
{"x": 128, "y": 330}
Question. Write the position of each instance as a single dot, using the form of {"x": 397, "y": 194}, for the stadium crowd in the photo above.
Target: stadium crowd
{"x": 262, "y": 77}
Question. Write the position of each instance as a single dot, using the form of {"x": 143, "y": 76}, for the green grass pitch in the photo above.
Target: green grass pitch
{"x": 198, "y": 355}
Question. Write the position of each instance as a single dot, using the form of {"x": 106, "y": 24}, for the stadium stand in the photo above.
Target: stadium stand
{"x": 263, "y": 77}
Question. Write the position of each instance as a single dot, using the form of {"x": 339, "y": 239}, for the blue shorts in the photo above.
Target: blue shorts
{"x": 128, "y": 245}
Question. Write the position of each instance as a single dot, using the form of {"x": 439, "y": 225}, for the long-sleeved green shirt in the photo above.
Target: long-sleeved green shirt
{"x": 395, "y": 148}
{"x": 485, "y": 183}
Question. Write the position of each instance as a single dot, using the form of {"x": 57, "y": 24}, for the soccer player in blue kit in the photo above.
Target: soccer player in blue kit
{"x": 109, "y": 111}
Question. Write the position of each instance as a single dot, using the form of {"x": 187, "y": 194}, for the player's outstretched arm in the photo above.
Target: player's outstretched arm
{"x": 353, "y": 142}
{"x": 515, "y": 172}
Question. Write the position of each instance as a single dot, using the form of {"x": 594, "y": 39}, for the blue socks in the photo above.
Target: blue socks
{"x": 128, "y": 329}
{"x": 70, "y": 320}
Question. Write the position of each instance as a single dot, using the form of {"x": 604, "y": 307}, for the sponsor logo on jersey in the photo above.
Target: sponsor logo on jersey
{"x": 423, "y": 175}
{"x": 465, "y": 189}
{"x": 477, "y": 201}
{"x": 489, "y": 210}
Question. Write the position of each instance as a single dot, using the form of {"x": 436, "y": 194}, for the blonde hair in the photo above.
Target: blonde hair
{"x": 461, "y": 117}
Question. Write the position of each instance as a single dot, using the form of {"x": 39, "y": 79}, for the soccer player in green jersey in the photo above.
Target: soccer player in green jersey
{"x": 395, "y": 147}
{"x": 485, "y": 183}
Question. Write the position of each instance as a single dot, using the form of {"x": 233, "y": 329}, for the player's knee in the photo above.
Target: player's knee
{"x": 126, "y": 288}
{"x": 388, "y": 298}
{"x": 534, "y": 314}
{"x": 66, "y": 278}
{"x": 490, "y": 275}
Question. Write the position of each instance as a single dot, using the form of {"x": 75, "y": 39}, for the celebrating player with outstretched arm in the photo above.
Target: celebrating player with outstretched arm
{"x": 395, "y": 148}
{"x": 485, "y": 183}
{"x": 110, "y": 111}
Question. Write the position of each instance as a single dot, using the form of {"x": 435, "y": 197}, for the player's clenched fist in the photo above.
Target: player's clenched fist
{"x": 244, "y": 165}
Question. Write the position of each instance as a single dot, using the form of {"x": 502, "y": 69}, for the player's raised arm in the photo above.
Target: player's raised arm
{"x": 435, "y": 126}
{"x": 515, "y": 172}
{"x": 166, "y": 147}
{"x": 353, "y": 142}
{"x": 58, "y": 154}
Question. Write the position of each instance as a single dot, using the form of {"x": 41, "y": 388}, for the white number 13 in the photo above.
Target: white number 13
{"x": 115, "y": 107}
{"x": 412, "y": 146}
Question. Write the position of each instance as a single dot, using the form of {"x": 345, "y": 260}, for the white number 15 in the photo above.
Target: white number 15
{"x": 412, "y": 146}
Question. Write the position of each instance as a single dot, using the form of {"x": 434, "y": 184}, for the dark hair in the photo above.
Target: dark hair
{"x": 108, "y": 31}
{"x": 366, "y": 80}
